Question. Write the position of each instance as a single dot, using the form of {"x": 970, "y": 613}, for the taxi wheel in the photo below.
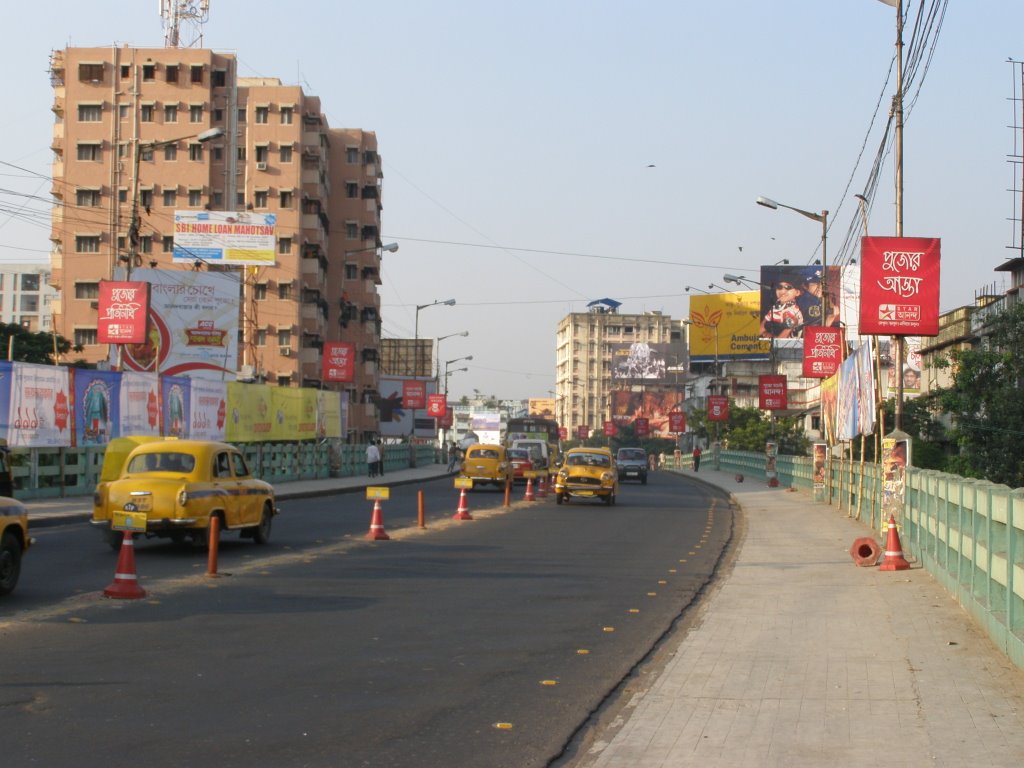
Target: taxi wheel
{"x": 261, "y": 534}
{"x": 10, "y": 563}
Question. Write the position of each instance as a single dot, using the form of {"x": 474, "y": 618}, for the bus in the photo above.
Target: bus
{"x": 534, "y": 428}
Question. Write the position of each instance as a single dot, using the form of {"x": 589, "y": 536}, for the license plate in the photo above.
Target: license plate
{"x": 632, "y": 471}
{"x": 143, "y": 504}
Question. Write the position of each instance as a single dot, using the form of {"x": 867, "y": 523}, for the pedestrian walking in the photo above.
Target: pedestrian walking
{"x": 696, "y": 458}
{"x": 372, "y": 459}
{"x": 453, "y": 457}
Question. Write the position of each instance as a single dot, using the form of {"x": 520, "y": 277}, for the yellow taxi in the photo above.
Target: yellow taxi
{"x": 14, "y": 540}
{"x": 180, "y": 485}
{"x": 587, "y": 473}
{"x": 486, "y": 464}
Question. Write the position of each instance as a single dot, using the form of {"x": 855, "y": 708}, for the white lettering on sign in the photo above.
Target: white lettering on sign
{"x": 122, "y": 311}
{"x": 901, "y": 286}
{"x": 895, "y": 261}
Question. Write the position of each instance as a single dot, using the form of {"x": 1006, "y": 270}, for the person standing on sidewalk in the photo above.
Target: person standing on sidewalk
{"x": 696, "y": 458}
{"x": 372, "y": 458}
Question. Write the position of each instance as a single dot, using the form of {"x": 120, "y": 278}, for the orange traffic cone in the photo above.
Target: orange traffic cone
{"x": 462, "y": 513}
{"x": 542, "y": 487}
{"x": 528, "y": 496}
{"x": 894, "y": 560}
{"x": 377, "y": 532}
{"x": 125, "y": 584}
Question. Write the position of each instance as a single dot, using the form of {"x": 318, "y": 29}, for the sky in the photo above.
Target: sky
{"x": 542, "y": 154}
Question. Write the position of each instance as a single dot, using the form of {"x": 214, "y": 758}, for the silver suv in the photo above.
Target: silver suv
{"x": 632, "y": 463}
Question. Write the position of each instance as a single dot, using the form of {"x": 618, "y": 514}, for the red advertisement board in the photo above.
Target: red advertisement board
{"x": 563, "y": 433}
{"x": 436, "y": 406}
{"x": 718, "y": 408}
{"x": 609, "y": 429}
{"x": 446, "y": 421}
{"x": 899, "y": 286}
{"x": 772, "y": 392}
{"x": 823, "y": 351}
{"x": 582, "y": 431}
{"x": 642, "y": 425}
{"x": 122, "y": 313}
{"x": 339, "y": 361}
{"x": 414, "y": 394}
{"x": 677, "y": 421}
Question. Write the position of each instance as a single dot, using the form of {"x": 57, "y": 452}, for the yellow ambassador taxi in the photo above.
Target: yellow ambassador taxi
{"x": 14, "y": 540}
{"x": 587, "y": 473}
{"x": 487, "y": 464}
{"x": 181, "y": 485}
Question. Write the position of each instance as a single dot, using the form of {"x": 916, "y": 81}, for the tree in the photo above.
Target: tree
{"x": 985, "y": 402}
{"x": 748, "y": 429}
{"x": 31, "y": 347}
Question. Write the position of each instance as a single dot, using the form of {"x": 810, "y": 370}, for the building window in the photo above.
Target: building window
{"x": 122, "y": 112}
{"x": 351, "y": 271}
{"x": 352, "y": 155}
{"x": 284, "y": 291}
{"x": 286, "y": 153}
{"x": 146, "y": 244}
{"x": 262, "y": 115}
{"x": 171, "y": 152}
{"x": 284, "y": 380}
{"x": 122, "y": 194}
{"x": 146, "y": 113}
{"x": 197, "y": 73}
{"x": 170, "y": 113}
{"x": 172, "y": 73}
{"x": 219, "y": 78}
{"x": 241, "y": 115}
{"x": 195, "y": 113}
{"x": 351, "y": 189}
{"x": 29, "y": 282}
{"x": 126, "y": 71}
{"x": 148, "y": 72}
{"x": 89, "y": 152}
{"x": 29, "y": 304}
{"x": 351, "y": 230}
{"x": 90, "y": 73}
{"x": 262, "y": 153}
{"x": 260, "y": 198}
{"x": 241, "y": 154}
{"x": 287, "y": 113}
{"x": 261, "y": 336}
{"x": 85, "y": 336}
{"x": 122, "y": 150}
{"x": 259, "y": 292}
{"x": 120, "y": 242}
{"x": 87, "y": 243}
{"x": 218, "y": 200}
{"x": 146, "y": 152}
{"x": 87, "y": 197}
{"x": 195, "y": 198}
{"x": 284, "y": 338}
{"x": 240, "y": 200}
{"x": 287, "y": 199}
{"x": 168, "y": 243}
{"x": 87, "y": 290}
{"x": 284, "y": 245}
{"x": 146, "y": 198}
{"x": 90, "y": 113}
{"x": 218, "y": 115}
{"x": 218, "y": 153}
{"x": 195, "y": 152}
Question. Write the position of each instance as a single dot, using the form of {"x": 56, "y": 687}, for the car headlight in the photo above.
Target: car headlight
{"x": 607, "y": 477}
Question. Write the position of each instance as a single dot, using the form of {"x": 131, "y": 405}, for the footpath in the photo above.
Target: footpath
{"x": 796, "y": 657}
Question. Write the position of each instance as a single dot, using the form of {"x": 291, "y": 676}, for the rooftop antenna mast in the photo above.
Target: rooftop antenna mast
{"x": 183, "y": 22}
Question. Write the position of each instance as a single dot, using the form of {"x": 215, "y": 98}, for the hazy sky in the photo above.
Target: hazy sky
{"x": 518, "y": 140}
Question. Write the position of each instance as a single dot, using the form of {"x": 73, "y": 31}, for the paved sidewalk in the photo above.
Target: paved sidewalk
{"x": 800, "y": 658}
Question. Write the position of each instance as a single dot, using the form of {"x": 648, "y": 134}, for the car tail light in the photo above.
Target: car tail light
{"x": 182, "y": 497}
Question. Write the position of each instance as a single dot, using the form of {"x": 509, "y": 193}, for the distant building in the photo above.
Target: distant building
{"x": 26, "y": 297}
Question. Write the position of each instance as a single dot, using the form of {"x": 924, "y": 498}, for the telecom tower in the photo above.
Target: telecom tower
{"x": 183, "y": 22}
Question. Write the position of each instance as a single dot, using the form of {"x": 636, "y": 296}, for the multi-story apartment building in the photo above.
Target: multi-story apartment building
{"x": 585, "y": 345}
{"x": 128, "y": 145}
{"x": 26, "y": 297}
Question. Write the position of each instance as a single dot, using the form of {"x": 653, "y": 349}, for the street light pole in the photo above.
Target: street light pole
{"x": 437, "y": 350}
{"x": 417, "y": 364}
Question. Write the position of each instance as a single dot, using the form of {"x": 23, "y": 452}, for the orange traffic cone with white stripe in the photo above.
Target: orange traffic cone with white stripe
{"x": 377, "y": 532}
{"x": 462, "y": 513}
{"x": 894, "y": 560}
{"x": 528, "y": 496}
{"x": 125, "y": 585}
{"x": 542, "y": 487}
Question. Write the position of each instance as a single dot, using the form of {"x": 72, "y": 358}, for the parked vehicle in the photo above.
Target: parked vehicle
{"x": 521, "y": 462}
{"x": 14, "y": 541}
{"x": 181, "y": 485}
{"x": 587, "y": 473}
{"x": 632, "y": 464}
{"x": 487, "y": 464}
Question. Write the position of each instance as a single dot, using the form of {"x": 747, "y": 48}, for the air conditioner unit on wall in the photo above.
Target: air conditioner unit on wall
{"x": 286, "y": 351}
{"x": 261, "y": 166}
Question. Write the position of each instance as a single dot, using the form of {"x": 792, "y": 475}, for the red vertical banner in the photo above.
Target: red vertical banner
{"x": 446, "y": 420}
{"x": 563, "y": 433}
{"x": 772, "y": 393}
{"x": 642, "y": 426}
{"x": 582, "y": 431}
{"x": 414, "y": 394}
{"x": 123, "y": 308}
{"x": 610, "y": 429}
{"x": 436, "y": 406}
{"x": 718, "y": 408}
{"x": 899, "y": 286}
{"x": 677, "y": 421}
{"x": 823, "y": 351}
{"x": 339, "y": 361}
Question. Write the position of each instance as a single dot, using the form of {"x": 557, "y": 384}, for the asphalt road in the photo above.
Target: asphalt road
{"x": 478, "y": 643}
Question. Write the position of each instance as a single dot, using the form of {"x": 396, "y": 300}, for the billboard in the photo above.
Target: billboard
{"x": 542, "y": 406}
{"x": 339, "y": 361}
{"x": 193, "y": 324}
{"x": 791, "y": 299}
{"x": 772, "y": 391}
{"x": 635, "y": 408}
{"x": 396, "y": 416}
{"x": 225, "y": 238}
{"x": 122, "y": 312}
{"x": 638, "y": 361}
{"x": 823, "y": 351}
{"x": 900, "y": 286}
{"x": 724, "y": 326}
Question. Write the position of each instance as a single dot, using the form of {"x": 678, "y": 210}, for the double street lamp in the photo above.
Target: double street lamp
{"x": 141, "y": 147}
{"x": 437, "y": 349}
